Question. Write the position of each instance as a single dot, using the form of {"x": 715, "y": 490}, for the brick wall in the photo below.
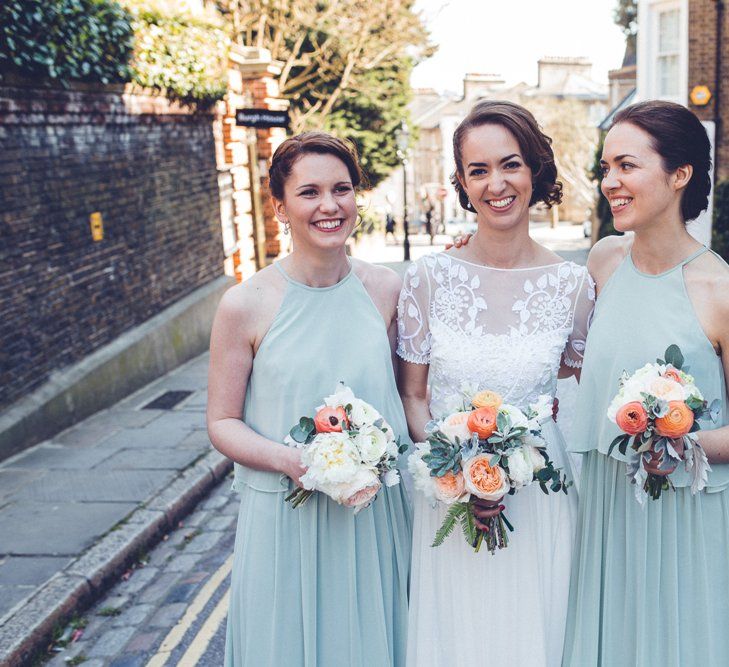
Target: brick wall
{"x": 149, "y": 168}
{"x": 702, "y": 69}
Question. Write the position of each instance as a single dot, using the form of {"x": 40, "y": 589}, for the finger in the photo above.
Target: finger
{"x": 448, "y": 246}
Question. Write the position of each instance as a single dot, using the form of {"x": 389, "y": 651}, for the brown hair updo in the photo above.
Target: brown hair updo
{"x": 319, "y": 143}
{"x": 535, "y": 146}
{"x": 678, "y": 136}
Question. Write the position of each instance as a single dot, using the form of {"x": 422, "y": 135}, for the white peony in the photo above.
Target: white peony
{"x": 666, "y": 389}
{"x": 371, "y": 443}
{"x": 331, "y": 458}
{"x": 521, "y": 472}
{"x": 456, "y": 424}
{"x": 420, "y": 471}
{"x": 363, "y": 414}
{"x": 391, "y": 477}
{"x": 357, "y": 492}
{"x": 543, "y": 408}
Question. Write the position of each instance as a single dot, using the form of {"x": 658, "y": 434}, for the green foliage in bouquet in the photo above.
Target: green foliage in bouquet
{"x": 66, "y": 40}
{"x": 444, "y": 456}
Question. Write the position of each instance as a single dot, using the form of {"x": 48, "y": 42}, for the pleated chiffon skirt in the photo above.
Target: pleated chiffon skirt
{"x": 318, "y": 586}
{"x": 650, "y": 585}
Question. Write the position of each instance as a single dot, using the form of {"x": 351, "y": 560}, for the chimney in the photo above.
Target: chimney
{"x": 476, "y": 85}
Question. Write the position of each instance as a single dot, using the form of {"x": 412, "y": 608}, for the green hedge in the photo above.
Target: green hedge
{"x": 182, "y": 56}
{"x": 83, "y": 40}
{"x": 720, "y": 233}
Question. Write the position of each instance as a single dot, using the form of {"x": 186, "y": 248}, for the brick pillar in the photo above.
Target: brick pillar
{"x": 259, "y": 85}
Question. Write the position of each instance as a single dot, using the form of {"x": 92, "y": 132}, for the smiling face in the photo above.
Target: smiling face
{"x": 318, "y": 202}
{"x": 495, "y": 176}
{"x": 641, "y": 193}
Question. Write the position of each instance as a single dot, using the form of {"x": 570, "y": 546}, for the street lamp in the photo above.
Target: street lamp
{"x": 402, "y": 139}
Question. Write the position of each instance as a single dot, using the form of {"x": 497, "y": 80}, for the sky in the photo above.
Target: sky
{"x": 507, "y": 37}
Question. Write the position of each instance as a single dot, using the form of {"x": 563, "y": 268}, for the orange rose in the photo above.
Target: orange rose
{"x": 677, "y": 422}
{"x": 632, "y": 418}
{"x": 484, "y": 480}
{"x": 329, "y": 419}
{"x": 450, "y": 487}
{"x": 487, "y": 399}
{"x": 482, "y": 422}
{"x": 673, "y": 374}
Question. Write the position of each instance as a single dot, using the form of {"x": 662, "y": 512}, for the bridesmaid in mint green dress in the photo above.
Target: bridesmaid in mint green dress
{"x": 650, "y": 585}
{"x": 314, "y": 586}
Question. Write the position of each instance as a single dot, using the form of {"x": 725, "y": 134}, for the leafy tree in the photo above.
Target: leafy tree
{"x": 345, "y": 64}
{"x": 626, "y": 16}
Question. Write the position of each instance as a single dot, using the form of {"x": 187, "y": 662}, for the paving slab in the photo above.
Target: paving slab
{"x": 53, "y": 456}
{"x": 157, "y": 434}
{"x": 95, "y": 486}
{"x": 62, "y": 528}
{"x": 11, "y": 480}
{"x": 151, "y": 459}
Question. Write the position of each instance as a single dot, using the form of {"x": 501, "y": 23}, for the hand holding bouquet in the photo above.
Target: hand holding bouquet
{"x": 658, "y": 407}
{"x": 485, "y": 451}
{"x": 349, "y": 451}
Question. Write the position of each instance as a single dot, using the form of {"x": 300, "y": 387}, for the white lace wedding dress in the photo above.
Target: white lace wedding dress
{"x": 506, "y": 330}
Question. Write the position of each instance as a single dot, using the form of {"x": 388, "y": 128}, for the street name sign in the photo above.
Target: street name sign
{"x": 261, "y": 118}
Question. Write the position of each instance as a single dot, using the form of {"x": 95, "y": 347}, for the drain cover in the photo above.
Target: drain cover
{"x": 167, "y": 401}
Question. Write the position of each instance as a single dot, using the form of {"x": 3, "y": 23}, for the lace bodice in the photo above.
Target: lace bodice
{"x": 484, "y": 328}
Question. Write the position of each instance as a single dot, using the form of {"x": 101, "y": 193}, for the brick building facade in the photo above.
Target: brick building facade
{"x": 703, "y": 19}
{"x": 149, "y": 168}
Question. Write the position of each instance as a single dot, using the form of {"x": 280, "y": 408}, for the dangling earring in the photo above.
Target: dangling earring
{"x": 287, "y": 227}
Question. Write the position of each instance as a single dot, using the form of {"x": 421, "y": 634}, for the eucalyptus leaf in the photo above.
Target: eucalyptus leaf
{"x": 674, "y": 357}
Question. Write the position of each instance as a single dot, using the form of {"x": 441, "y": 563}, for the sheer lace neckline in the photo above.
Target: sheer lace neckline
{"x": 496, "y": 268}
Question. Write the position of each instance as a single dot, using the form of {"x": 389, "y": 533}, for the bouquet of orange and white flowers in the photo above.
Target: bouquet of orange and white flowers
{"x": 486, "y": 450}
{"x": 349, "y": 449}
{"x": 658, "y": 407}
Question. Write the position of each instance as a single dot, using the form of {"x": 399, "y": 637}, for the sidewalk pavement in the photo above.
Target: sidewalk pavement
{"x": 76, "y": 511}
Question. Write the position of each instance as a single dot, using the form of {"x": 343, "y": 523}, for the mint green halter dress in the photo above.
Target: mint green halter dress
{"x": 650, "y": 585}
{"x": 318, "y": 586}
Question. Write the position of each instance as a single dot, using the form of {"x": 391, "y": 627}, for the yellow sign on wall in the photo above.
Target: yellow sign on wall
{"x": 97, "y": 226}
{"x": 700, "y": 95}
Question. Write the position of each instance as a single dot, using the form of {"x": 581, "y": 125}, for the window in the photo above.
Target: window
{"x": 667, "y": 55}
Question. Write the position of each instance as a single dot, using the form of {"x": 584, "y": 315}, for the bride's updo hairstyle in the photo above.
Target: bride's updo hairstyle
{"x": 307, "y": 143}
{"x": 679, "y": 138}
{"x": 535, "y": 146}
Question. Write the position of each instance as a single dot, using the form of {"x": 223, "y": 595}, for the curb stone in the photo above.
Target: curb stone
{"x": 28, "y": 628}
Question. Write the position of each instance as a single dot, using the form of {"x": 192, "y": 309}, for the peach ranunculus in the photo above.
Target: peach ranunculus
{"x": 450, "y": 487}
{"x": 329, "y": 420}
{"x": 456, "y": 425}
{"x": 487, "y": 399}
{"x": 677, "y": 422}
{"x": 632, "y": 418}
{"x": 484, "y": 480}
{"x": 482, "y": 422}
{"x": 673, "y": 374}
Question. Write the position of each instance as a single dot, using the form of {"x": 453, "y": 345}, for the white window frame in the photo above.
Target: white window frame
{"x": 648, "y": 22}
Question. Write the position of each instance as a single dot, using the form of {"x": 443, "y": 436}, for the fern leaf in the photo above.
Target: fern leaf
{"x": 449, "y": 523}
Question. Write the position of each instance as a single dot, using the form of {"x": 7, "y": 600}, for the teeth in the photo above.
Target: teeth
{"x": 501, "y": 203}
{"x": 328, "y": 224}
{"x": 620, "y": 202}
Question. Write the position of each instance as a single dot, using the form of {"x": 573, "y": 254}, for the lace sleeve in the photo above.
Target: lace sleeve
{"x": 413, "y": 329}
{"x": 584, "y": 306}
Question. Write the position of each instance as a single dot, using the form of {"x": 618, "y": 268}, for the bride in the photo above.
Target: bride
{"x": 506, "y": 314}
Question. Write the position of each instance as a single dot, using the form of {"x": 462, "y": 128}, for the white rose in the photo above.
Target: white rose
{"x": 518, "y": 418}
{"x": 691, "y": 390}
{"x": 371, "y": 443}
{"x": 535, "y": 457}
{"x": 331, "y": 458}
{"x": 456, "y": 425}
{"x": 363, "y": 414}
{"x": 342, "y": 396}
{"x": 521, "y": 470}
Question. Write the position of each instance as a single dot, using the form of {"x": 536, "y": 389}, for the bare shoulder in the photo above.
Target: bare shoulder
{"x": 709, "y": 274}
{"x": 377, "y": 279}
{"x": 605, "y": 256}
{"x": 250, "y": 303}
